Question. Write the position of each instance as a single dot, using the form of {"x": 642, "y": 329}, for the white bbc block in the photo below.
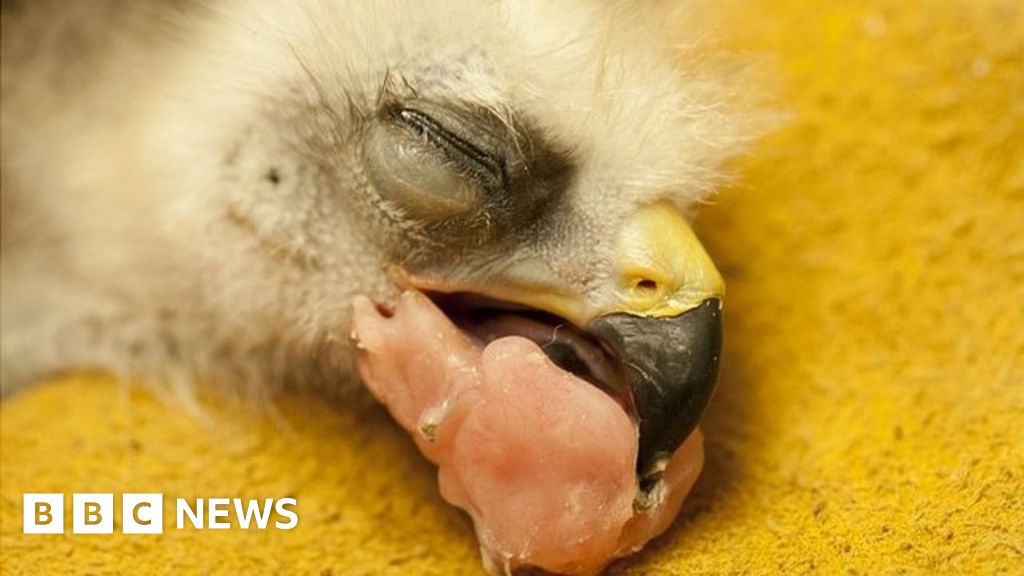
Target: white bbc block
{"x": 92, "y": 514}
{"x": 43, "y": 513}
{"x": 142, "y": 513}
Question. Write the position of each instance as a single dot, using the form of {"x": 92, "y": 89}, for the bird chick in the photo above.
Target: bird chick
{"x": 197, "y": 192}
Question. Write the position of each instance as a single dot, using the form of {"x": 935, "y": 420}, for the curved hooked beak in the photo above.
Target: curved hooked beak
{"x": 658, "y": 319}
{"x": 666, "y": 332}
{"x": 670, "y": 368}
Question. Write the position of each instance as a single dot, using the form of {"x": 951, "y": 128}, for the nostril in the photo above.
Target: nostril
{"x": 643, "y": 287}
{"x": 646, "y": 286}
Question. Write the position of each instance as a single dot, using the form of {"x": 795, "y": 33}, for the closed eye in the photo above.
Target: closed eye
{"x": 487, "y": 169}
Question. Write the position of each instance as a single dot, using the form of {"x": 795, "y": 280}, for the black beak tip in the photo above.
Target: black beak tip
{"x": 671, "y": 367}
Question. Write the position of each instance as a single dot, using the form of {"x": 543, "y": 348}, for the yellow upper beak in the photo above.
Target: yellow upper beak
{"x": 663, "y": 268}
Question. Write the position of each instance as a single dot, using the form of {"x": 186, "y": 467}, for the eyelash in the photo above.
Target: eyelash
{"x": 486, "y": 168}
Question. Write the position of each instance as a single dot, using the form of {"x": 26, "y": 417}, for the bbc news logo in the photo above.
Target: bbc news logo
{"x": 144, "y": 513}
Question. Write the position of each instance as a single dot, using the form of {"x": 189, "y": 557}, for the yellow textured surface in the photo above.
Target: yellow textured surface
{"x": 871, "y": 418}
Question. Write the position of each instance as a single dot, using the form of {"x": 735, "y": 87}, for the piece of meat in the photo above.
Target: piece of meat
{"x": 542, "y": 460}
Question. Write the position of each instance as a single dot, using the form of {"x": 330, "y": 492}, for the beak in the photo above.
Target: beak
{"x": 659, "y": 315}
{"x": 666, "y": 330}
{"x": 670, "y": 369}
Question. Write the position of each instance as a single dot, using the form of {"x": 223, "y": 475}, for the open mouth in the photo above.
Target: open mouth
{"x": 572, "y": 349}
{"x": 660, "y": 371}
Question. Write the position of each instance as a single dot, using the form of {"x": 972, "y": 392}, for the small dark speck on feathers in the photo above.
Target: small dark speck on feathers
{"x": 273, "y": 176}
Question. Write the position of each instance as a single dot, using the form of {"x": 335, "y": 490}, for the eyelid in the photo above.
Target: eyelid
{"x": 487, "y": 168}
{"x": 411, "y": 176}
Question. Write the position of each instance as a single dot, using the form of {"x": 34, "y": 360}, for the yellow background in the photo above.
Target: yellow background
{"x": 871, "y": 414}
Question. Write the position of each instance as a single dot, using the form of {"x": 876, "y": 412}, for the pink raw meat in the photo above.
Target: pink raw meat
{"x": 542, "y": 460}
